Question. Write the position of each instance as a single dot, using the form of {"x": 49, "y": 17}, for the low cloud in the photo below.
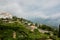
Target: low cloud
{"x": 45, "y": 9}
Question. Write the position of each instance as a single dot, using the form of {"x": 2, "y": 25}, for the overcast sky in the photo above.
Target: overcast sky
{"x": 39, "y": 8}
{"x": 32, "y": 8}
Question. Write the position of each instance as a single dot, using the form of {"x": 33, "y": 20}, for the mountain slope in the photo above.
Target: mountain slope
{"x": 50, "y": 22}
{"x": 20, "y": 29}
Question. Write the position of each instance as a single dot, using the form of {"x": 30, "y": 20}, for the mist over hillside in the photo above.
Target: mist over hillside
{"x": 39, "y": 20}
{"x": 50, "y": 22}
{"x": 46, "y": 11}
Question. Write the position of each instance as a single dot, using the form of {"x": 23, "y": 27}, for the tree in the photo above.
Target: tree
{"x": 14, "y": 18}
{"x": 36, "y": 24}
{"x": 59, "y": 32}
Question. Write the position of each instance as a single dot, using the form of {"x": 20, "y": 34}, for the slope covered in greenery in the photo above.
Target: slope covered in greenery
{"x": 17, "y": 29}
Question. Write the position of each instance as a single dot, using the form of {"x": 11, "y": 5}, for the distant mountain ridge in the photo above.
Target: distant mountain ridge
{"x": 51, "y": 22}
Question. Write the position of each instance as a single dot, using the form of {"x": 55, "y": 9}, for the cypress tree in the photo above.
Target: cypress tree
{"x": 59, "y": 32}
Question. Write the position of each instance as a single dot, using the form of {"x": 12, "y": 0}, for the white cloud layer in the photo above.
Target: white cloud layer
{"x": 32, "y": 8}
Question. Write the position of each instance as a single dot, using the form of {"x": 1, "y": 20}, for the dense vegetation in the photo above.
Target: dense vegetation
{"x": 16, "y": 29}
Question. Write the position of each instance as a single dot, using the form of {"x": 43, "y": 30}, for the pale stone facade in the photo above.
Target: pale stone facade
{"x": 5, "y": 15}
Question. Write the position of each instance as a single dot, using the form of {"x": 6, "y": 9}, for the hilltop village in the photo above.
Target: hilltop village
{"x": 14, "y": 28}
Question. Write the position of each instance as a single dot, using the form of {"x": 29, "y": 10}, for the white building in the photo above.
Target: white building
{"x": 5, "y": 15}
